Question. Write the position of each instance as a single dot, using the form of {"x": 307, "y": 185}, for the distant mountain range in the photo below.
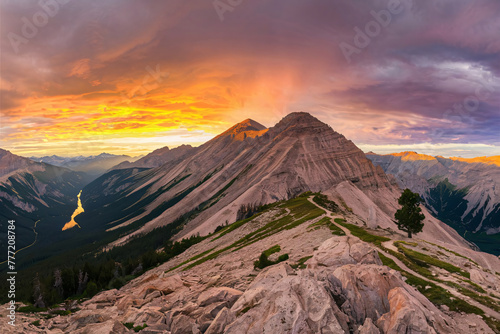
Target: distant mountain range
{"x": 35, "y": 191}
{"x": 93, "y": 165}
{"x": 464, "y": 193}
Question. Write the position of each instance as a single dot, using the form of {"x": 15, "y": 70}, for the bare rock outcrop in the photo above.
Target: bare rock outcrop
{"x": 284, "y": 303}
{"x": 344, "y": 289}
{"x": 408, "y": 315}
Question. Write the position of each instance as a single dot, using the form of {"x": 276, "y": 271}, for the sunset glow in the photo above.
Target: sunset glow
{"x": 117, "y": 77}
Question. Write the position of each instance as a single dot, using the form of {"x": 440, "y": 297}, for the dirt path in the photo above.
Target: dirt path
{"x": 389, "y": 245}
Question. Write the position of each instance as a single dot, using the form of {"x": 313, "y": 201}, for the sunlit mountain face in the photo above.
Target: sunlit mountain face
{"x": 85, "y": 77}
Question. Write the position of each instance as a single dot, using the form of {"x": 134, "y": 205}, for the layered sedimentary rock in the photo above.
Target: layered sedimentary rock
{"x": 247, "y": 164}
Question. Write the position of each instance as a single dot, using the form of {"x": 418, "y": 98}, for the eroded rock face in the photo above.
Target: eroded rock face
{"x": 408, "y": 315}
{"x": 366, "y": 290}
{"x": 340, "y": 251}
{"x": 287, "y": 304}
{"x": 368, "y": 327}
{"x": 345, "y": 289}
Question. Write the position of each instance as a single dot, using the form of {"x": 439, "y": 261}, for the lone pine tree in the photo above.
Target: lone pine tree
{"x": 410, "y": 217}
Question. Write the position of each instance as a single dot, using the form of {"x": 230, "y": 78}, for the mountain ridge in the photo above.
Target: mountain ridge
{"x": 94, "y": 164}
{"x": 461, "y": 192}
{"x": 208, "y": 185}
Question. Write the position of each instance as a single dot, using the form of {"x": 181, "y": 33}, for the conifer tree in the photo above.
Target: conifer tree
{"x": 410, "y": 217}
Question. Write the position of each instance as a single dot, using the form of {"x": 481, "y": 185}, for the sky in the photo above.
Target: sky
{"x": 131, "y": 76}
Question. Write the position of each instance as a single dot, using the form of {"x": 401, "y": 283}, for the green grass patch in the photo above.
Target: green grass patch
{"x": 439, "y": 296}
{"x": 389, "y": 262}
{"x": 326, "y": 221}
{"x": 129, "y": 325}
{"x": 493, "y": 323}
{"x": 425, "y": 260}
{"x": 263, "y": 261}
{"x": 140, "y": 328}
{"x": 31, "y": 309}
{"x": 453, "y": 252}
{"x": 485, "y": 300}
{"x": 410, "y": 264}
{"x": 301, "y": 211}
{"x": 61, "y": 312}
{"x": 362, "y": 234}
{"x": 475, "y": 286}
{"x": 436, "y": 294}
{"x": 272, "y": 250}
{"x": 407, "y": 243}
{"x": 190, "y": 260}
{"x": 244, "y": 310}
{"x": 234, "y": 226}
{"x": 301, "y": 263}
{"x": 36, "y": 323}
{"x": 324, "y": 202}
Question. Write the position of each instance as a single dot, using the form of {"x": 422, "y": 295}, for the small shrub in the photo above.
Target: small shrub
{"x": 282, "y": 258}
{"x": 140, "y": 328}
{"x": 323, "y": 201}
{"x": 301, "y": 263}
{"x": 129, "y": 325}
{"x": 263, "y": 260}
{"x": 91, "y": 290}
{"x": 31, "y": 309}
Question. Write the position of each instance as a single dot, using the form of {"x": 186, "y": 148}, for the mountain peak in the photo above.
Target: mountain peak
{"x": 246, "y": 128}
{"x": 411, "y": 155}
{"x": 246, "y": 125}
{"x": 299, "y": 116}
{"x": 302, "y": 119}
{"x": 299, "y": 122}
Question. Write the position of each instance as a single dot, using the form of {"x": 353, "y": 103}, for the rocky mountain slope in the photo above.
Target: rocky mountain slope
{"x": 32, "y": 191}
{"x": 246, "y": 165}
{"x": 93, "y": 165}
{"x": 340, "y": 277}
{"x": 461, "y": 192}
{"x": 158, "y": 157}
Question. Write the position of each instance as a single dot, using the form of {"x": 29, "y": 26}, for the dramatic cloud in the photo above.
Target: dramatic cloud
{"x": 132, "y": 76}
